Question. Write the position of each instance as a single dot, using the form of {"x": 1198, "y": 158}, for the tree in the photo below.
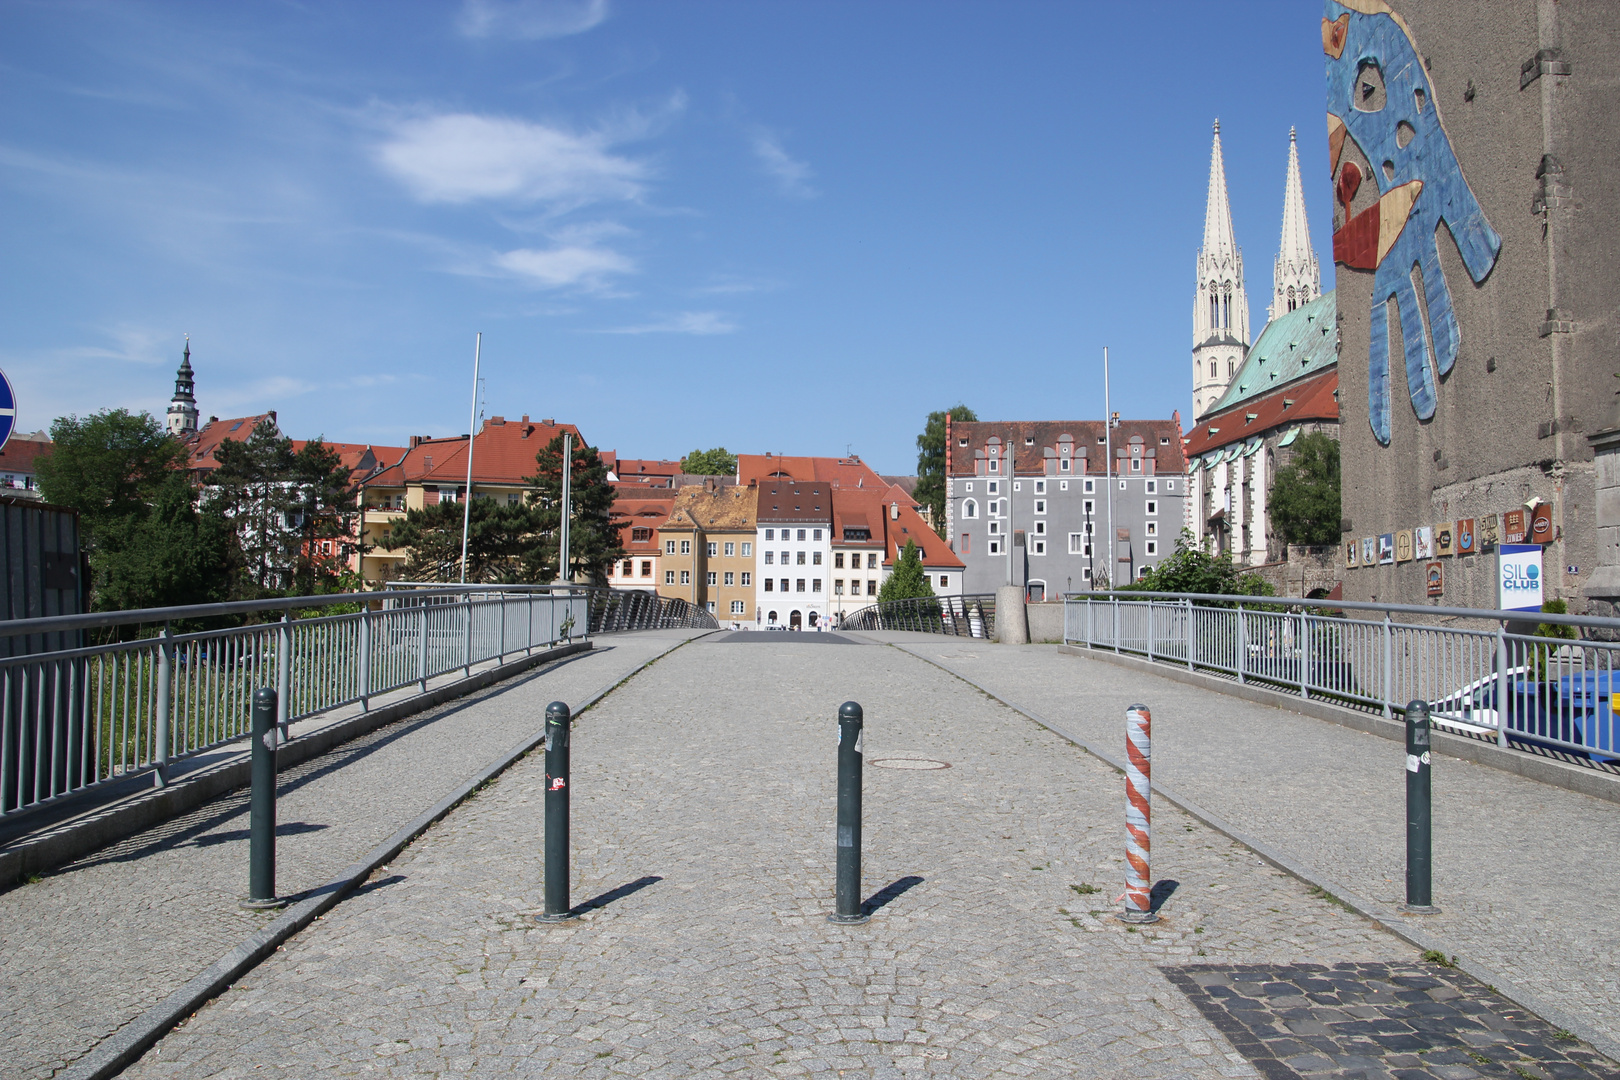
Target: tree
{"x": 908, "y": 581}
{"x": 499, "y": 539}
{"x": 1304, "y": 499}
{"x": 931, "y": 458}
{"x": 1194, "y": 570}
{"x": 716, "y": 462}
{"x": 252, "y": 486}
{"x": 148, "y": 546}
{"x": 325, "y": 510}
{"x": 593, "y": 542}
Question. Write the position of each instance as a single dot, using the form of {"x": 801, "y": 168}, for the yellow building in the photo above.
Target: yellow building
{"x": 708, "y": 550}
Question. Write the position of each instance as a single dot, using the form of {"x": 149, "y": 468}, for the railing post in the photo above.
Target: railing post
{"x": 1304, "y": 654}
{"x": 262, "y": 803}
{"x": 1419, "y": 852}
{"x": 1503, "y": 686}
{"x": 1389, "y": 666}
{"x": 1150, "y": 630}
{"x": 165, "y": 706}
{"x": 422, "y": 644}
{"x": 528, "y": 634}
{"x": 1192, "y": 636}
{"x": 1115, "y": 600}
{"x": 284, "y": 674}
{"x": 500, "y": 644}
{"x": 847, "y": 907}
{"x": 365, "y": 657}
{"x": 466, "y": 637}
{"x": 558, "y": 722}
{"x": 1243, "y": 644}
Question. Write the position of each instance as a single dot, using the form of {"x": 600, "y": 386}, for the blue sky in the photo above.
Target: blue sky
{"x": 780, "y": 226}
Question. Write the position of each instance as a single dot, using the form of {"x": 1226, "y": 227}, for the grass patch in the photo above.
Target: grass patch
{"x": 1435, "y": 956}
{"x": 1322, "y": 894}
{"x": 1084, "y": 889}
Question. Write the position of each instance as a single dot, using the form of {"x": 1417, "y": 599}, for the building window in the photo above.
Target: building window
{"x": 747, "y": 578}
{"x": 731, "y": 578}
{"x": 1040, "y": 528}
{"x": 686, "y": 547}
{"x": 1091, "y": 486}
{"x": 815, "y": 585}
{"x": 970, "y": 509}
{"x": 770, "y": 534}
{"x": 1063, "y": 485}
{"x": 738, "y": 607}
{"x": 1152, "y": 486}
{"x": 787, "y": 557}
{"x": 801, "y": 558}
{"x": 1038, "y": 547}
{"x": 817, "y": 535}
{"x": 1018, "y": 485}
{"x": 1169, "y": 485}
{"x": 629, "y": 568}
{"x": 714, "y": 549}
{"x": 993, "y": 487}
{"x": 686, "y": 577}
{"x": 1076, "y": 543}
{"x": 995, "y": 547}
{"x": 1153, "y": 528}
{"x": 968, "y": 487}
{"x": 747, "y": 550}
{"x": 1122, "y": 485}
{"x": 995, "y": 466}
{"x": 1152, "y": 547}
{"x": 944, "y": 581}
{"x": 731, "y": 549}
{"x": 838, "y": 560}
{"x": 710, "y": 606}
{"x": 1085, "y": 573}
{"x": 640, "y": 534}
{"x": 784, "y": 582}
{"x": 1090, "y": 506}
{"x": 816, "y": 558}
{"x": 801, "y": 535}
{"x": 646, "y": 568}
{"x": 1040, "y": 487}
{"x": 995, "y": 528}
{"x": 669, "y": 547}
{"x": 711, "y": 578}
{"x": 871, "y": 588}
{"x": 1040, "y": 506}
{"x": 1136, "y": 464}
{"x": 838, "y": 586}
{"x": 966, "y": 546}
{"x": 1063, "y": 464}
{"x": 800, "y": 584}
{"x": 669, "y": 577}
{"x": 769, "y": 557}
{"x": 1152, "y": 507}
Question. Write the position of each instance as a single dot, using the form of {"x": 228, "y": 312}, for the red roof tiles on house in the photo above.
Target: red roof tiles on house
{"x": 1314, "y": 398}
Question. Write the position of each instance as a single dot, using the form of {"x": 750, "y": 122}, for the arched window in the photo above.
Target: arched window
{"x": 1214, "y": 307}
{"x": 1231, "y": 368}
{"x": 1226, "y": 308}
{"x": 1212, "y": 372}
{"x": 1292, "y": 303}
{"x": 970, "y": 509}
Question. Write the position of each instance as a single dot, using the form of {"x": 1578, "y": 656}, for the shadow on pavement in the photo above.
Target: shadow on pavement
{"x": 611, "y": 895}
{"x": 890, "y": 892}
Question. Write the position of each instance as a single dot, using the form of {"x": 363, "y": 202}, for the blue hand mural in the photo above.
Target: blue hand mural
{"x": 1379, "y": 95}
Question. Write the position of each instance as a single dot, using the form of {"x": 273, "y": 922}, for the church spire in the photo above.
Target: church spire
{"x": 1220, "y": 305}
{"x": 1297, "y": 279}
{"x": 182, "y": 419}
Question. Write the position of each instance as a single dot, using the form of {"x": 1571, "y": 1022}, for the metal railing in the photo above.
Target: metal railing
{"x": 613, "y": 611}
{"x": 959, "y": 616}
{"x": 1483, "y": 673}
{"x": 74, "y": 717}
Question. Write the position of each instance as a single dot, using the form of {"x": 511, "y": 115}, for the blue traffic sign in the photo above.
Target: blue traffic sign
{"x": 8, "y": 410}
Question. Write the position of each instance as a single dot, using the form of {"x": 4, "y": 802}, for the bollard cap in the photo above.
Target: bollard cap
{"x": 557, "y": 713}
{"x": 1417, "y": 710}
{"x": 850, "y": 713}
{"x": 264, "y": 696}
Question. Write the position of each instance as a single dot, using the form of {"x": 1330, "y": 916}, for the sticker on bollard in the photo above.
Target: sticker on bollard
{"x": 847, "y": 906}
{"x": 1419, "y": 840}
{"x": 262, "y": 804}
{"x": 1138, "y": 817}
{"x": 558, "y": 722}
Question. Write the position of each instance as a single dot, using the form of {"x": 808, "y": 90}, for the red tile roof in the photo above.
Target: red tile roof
{"x": 890, "y": 516}
{"x": 206, "y": 441}
{"x": 645, "y": 471}
{"x": 1313, "y": 398}
{"x": 503, "y": 453}
{"x": 641, "y": 508}
{"x": 21, "y": 452}
{"x": 839, "y": 472}
{"x": 788, "y": 500}
{"x": 1031, "y": 439}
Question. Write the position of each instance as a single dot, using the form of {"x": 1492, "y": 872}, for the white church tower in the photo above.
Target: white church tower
{"x": 183, "y": 406}
{"x": 1220, "y": 307}
{"x": 1296, "y": 280}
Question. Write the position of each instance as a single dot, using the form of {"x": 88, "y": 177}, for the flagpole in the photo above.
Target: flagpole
{"x": 1108, "y": 474}
{"x": 472, "y": 431}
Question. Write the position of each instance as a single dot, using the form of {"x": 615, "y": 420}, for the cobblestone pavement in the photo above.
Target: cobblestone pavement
{"x": 88, "y": 948}
{"x": 1401, "y": 1021}
{"x": 1527, "y": 875}
{"x": 702, "y": 819}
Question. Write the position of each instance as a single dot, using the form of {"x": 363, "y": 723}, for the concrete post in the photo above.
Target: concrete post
{"x": 1012, "y": 624}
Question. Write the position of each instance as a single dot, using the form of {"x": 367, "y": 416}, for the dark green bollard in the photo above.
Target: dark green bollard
{"x": 262, "y": 803}
{"x": 558, "y": 721}
{"x": 1419, "y": 868}
{"x": 847, "y": 906}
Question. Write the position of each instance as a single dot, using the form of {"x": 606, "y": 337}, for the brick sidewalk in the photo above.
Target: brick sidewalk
{"x": 1527, "y": 875}
{"x": 702, "y": 816}
{"x": 88, "y": 948}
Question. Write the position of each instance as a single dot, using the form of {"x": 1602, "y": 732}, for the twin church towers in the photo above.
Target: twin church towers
{"x": 1220, "y": 307}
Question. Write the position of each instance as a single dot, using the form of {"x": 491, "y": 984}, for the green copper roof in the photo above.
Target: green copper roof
{"x": 1298, "y": 343}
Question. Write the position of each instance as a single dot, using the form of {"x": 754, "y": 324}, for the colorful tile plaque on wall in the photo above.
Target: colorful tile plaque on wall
{"x": 1434, "y": 574}
{"x": 1489, "y": 536}
{"x": 1541, "y": 524}
{"x": 1386, "y": 548}
{"x": 1352, "y": 549}
{"x": 1513, "y": 531}
{"x": 1403, "y": 545}
{"x": 1445, "y": 541}
{"x": 1423, "y": 542}
{"x": 1369, "y": 551}
{"x": 1467, "y": 540}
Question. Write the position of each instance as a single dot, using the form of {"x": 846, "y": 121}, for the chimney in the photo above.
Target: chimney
{"x": 416, "y": 440}
{"x": 525, "y": 418}
{"x": 549, "y": 422}
{"x": 496, "y": 421}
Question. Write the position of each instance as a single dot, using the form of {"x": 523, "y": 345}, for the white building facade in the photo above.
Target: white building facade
{"x": 793, "y": 554}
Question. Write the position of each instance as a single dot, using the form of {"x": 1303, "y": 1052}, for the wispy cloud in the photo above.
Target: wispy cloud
{"x": 687, "y": 322}
{"x": 730, "y": 284}
{"x": 792, "y": 176}
{"x": 570, "y": 265}
{"x": 529, "y": 19}
{"x": 461, "y": 157}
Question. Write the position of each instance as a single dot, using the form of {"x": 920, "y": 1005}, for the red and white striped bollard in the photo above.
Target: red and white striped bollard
{"x": 1138, "y": 816}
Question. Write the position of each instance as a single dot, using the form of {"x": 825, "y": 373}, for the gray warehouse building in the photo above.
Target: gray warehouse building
{"x": 1035, "y": 494}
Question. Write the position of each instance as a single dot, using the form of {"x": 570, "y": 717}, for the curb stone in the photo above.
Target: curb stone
{"x": 121, "y": 1049}
{"x": 1310, "y": 876}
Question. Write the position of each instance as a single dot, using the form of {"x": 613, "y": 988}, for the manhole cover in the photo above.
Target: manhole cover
{"x": 909, "y": 763}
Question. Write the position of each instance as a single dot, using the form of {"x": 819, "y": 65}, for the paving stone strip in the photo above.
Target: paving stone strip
{"x": 88, "y": 948}
{"x": 1527, "y": 875}
{"x": 702, "y": 821}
